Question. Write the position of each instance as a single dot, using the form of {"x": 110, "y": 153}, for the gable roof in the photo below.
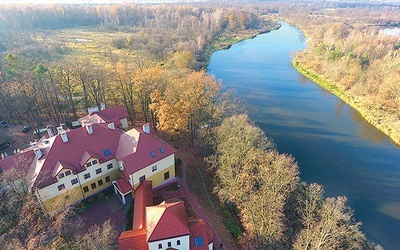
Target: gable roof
{"x": 80, "y": 146}
{"x": 161, "y": 222}
{"x": 143, "y": 199}
{"x": 133, "y": 240}
{"x": 198, "y": 228}
{"x": 145, "y": 150}
{"x": 167, "y": 220}
{"x": 119, "y": 112}
{"x": 19, "y": 163}
{"x": 108, "y": 115}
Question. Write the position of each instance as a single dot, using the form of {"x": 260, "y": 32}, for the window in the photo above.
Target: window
{"x": 152, "y": 154}
{"x": 161, "y": 150}
{"x": 108, "y": 179}
{"x": 86, "y": 176}
{"x": 88, "y": 164}
{"x": 85, "y": 189}
{"x": 61, "y": 187}
{"x": 159, "y": 246}
{"x": 68, "y": 172}
{"x": 198, "y": 241}
{"x": 100, "y": 183}
{"x": 154, "y": 168}
{"x": 178, "y": 242}
{"x": 142, "y": 178}
{"x": 74, "y": 181}
{"x": 98, "y": 171}
{"x": 93, "y": 185}
{"x": 60, "y": 175}
{"x": 107, "y": 152}
{"x": 169, "y": 244}
{"x": 109, "y": 166}
{"x": 166, "y": 175}
{"x": 94, "y": 162}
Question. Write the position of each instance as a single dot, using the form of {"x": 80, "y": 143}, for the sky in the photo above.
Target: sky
{"x": 93, "y": 1}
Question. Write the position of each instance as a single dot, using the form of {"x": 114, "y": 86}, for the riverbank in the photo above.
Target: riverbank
{"x": 225, "y": 41}
{"x": 376, "y": 116}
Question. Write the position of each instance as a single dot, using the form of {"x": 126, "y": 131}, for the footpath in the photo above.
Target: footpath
{"x": 184, "y": 192}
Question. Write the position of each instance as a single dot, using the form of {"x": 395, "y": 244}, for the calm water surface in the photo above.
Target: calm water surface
{"x": 331, "y": 142}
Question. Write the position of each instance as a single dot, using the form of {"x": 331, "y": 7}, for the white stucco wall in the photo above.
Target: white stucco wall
{"x": 184, "y": 243}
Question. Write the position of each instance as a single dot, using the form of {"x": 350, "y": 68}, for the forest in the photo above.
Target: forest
{"x": 59, "y": 60}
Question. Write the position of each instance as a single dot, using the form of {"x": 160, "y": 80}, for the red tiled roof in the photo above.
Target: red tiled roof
{"x": 60, "y": 166}
{"x": 108, "y": 115}
{"x": 143, "y": 199}
{"x": 142, "y": 157}
{"x": 71, "y": 152}
{"x": 113, "y": 112}
{"x": 87, "y": 155}
{"x": 133, "y": 240}
{"x": 123, "y": 185}
{"x": 167, "y": 220}
{"x": 198, "y": 228}
{"x": 14, "y": 162}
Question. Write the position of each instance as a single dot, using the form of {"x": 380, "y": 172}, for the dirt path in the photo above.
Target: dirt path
{"x": 206, "y": 210}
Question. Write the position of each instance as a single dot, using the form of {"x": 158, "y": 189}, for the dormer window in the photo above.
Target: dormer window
{"x": 88, "y": 164}
{"x": 94, "y": 162}
{"x": 68, "y": 172}
{"x": 61, "y": 175}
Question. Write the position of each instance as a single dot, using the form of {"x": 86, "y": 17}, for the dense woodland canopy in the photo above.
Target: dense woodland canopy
{"x": 59, "y": 72}
{"x": 58, "y": 60}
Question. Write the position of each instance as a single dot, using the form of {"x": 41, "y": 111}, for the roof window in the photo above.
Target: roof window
{"x": 152, "y": 154}
{"x": 107, "y": 152}
{"x": 198, "y": 241}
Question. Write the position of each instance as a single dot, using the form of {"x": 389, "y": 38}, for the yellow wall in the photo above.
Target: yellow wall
{"x": 75, "y": 194}
{"x": 163, "y": 165}
{"x": 158, "y": 178}
{"x": 113, "y": 176}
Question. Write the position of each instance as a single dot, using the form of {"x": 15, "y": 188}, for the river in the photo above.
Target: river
{"x": 331, "y": 142}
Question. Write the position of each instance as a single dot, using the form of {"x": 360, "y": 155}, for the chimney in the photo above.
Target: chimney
{"x": 89, "y": 128}
{"x": 38, "y": 153}
{"x": 111, "y": 126}
{"x": 103, "y": 106}
{"x": 34, "y": 144}
{"x": 91, "y": 110}
{"x": 64, "y": 136}
{"x": 146, "y": 128}
{"x": 60, "y": 130}
{"x": 50, "y": 130}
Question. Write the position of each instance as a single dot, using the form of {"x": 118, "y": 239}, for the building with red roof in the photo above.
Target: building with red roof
{"x": 117, "y": 116}
{"x": 163, "y": 226}
{"x": 81, "y": 162}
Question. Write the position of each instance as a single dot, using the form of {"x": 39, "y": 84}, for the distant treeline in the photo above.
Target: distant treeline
{"x": 159, "y": 30}
{"x": 356, "y": 49}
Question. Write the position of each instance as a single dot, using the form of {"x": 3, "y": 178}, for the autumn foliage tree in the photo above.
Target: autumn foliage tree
{"x": 255, "y": 177}
{"x": 276, "y": 210}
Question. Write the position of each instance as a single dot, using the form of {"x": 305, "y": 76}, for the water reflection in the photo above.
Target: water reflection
{"x": 331, "y": 142}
